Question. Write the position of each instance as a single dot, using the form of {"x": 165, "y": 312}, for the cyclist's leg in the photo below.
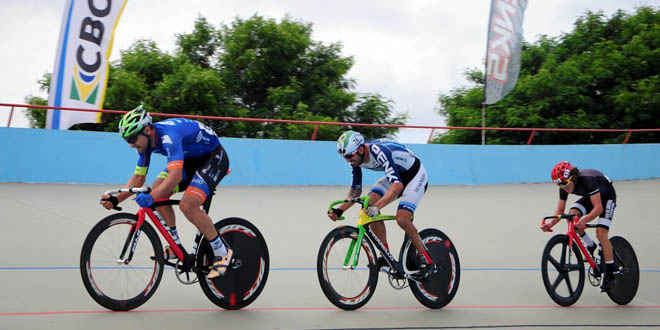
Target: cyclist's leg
{"x": 377, "y": 191}
{"x": 581, "y": 207}
{"x": 201, "y": 185}
{"x": 410, "y": 198}
{"x": 602, "y": 231}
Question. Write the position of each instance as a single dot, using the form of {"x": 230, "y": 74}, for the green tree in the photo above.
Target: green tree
{"x": 254, "y": 68}
{"x": 603, "y": 74}
{"x": 37, "y": 117}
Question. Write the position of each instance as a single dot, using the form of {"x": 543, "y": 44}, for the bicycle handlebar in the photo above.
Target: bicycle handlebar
{"x": 573, "y": 217}
{"x": 362, "y": 200}
{"x": 132, "y": 190}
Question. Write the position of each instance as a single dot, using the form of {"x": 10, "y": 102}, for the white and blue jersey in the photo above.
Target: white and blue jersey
{"x": 400, "y": 165}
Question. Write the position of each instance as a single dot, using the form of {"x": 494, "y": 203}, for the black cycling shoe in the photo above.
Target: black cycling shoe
{"x": 608, "y": 282}
{"x": 424, "y": 274}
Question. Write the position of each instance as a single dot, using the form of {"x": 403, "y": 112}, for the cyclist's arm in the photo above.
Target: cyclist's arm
{"x": 356, "y": 187}
{"x": 561, "y": 206}
{"x": 391, "y": 194}
{"x": 596, "y": 211}
{"x": 166, "y": 188}
{"x": 392, "y": 175}
{"x": 352, "y": 193}
{"x": 136, "y": 180}
{"x": 172, "y": 142}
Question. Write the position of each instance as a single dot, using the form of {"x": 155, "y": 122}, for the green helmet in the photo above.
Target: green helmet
{"x": 348, "y": 142}
{"x": 134, "y": 121}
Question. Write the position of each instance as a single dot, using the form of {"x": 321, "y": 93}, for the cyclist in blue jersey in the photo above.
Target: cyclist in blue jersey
{"x": 196, "y": 162}
{"x": 405, "y": 178}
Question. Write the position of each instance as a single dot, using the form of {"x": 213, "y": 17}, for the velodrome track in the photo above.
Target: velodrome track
{"x": 494, "y": 227}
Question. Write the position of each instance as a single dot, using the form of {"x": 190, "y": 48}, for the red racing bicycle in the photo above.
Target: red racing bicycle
{"x": 122, "y": 261}
{"x": 563, "y": 270}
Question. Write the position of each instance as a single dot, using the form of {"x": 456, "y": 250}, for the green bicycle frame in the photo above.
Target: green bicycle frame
{"x": 363, "y": 220}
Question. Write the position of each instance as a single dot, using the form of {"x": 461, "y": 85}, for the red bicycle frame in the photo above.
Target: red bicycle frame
{"x": 573, "y": 236}
{"x": 160, "y": 225}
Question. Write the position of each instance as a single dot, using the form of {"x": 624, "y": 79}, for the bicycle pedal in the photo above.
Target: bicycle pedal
{"x": 169, "y": 263}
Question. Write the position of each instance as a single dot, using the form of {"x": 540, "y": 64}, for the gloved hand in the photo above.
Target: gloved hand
{"x": 144, "y": 200}
{"x": 373, "y": 211}
{"x": 335, "y": 213}
{"x": 109, "y": 201}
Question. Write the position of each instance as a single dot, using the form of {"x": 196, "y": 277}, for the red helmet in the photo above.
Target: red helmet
{"x": 561, "y": 171}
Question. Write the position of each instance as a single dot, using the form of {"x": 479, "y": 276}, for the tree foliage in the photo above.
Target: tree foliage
{"x": 603, "y": 74}
{"x": 253, "y": 68}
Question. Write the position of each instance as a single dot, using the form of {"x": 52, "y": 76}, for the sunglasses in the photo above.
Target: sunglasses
{"x": 131, "y": 139}
{"x": 563, "y": 184}
{"x": 349, "y": 157}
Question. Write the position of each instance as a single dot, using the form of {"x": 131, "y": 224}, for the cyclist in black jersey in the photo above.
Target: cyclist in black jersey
{"x": 598, "y": 200}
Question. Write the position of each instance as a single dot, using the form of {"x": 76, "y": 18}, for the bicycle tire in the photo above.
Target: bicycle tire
{"x": 348, "y": 289}
{"x": 627, "y": 283}
{"x": 443, "y": 285}
{"x": 239, "y": 286}
{"x": 564, "y": 266}
{"x": 101, "y": 271}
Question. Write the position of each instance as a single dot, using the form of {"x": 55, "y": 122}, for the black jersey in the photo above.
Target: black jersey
{"x": 590, "y": 182}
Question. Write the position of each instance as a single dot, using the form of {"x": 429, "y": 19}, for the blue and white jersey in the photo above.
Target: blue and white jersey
{"x": 179, "y": 139}
{"x": 388, "y": 156}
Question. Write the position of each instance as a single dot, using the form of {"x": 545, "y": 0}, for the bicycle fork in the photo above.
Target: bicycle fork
{"x": 131, "y": 240}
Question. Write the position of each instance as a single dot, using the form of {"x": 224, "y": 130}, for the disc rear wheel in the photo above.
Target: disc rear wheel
{"x": 627, "y": 280}
{"x": 446, "y": 274}
{"x": 246, "y": 276}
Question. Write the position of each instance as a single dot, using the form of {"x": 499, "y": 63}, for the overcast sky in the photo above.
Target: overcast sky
{"x": 409, "y": 51}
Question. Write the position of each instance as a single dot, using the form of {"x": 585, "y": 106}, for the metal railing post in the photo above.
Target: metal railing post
{"x": 316, "y": 130}
{"x": 625, "y": 141}
{"x": 531, "y": 136}
{"x": 11, "y": 113}
{"x": 430, "y": 136}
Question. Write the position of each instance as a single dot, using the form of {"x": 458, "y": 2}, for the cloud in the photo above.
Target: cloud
{"x": 407, "y": 50}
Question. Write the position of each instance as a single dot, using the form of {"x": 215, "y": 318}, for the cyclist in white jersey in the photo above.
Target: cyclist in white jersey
{"x": 405, "y": 178}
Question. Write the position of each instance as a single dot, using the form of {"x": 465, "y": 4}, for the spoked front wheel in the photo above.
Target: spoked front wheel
{"x": 346, "y": 287}
{"x": 562, "y": 269}
{"x": 246, "y": 277}
{"x": 112, "y": 282}
{"x": 627, "y": 280}
{"x": 443, "y": 285}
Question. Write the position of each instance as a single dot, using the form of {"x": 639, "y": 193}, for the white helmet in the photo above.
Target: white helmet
{"x": 348, "y": 143}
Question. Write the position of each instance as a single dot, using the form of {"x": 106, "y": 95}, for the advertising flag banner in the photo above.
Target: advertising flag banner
{"x": 80, "y": 74}
{"x": 503, "y": 48}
